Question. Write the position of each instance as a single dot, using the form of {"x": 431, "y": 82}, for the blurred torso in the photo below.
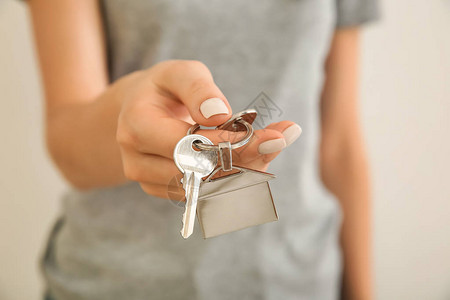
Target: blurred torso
{"x": 119, "y": 243}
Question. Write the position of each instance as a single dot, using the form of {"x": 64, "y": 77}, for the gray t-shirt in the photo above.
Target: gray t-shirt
{"x": 119, "y": 243}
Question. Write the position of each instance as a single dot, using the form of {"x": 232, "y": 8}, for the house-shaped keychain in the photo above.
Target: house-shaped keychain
{"x": 236, "y": 201}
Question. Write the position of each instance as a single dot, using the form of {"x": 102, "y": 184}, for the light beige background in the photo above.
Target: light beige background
{"x": 405, "y": 92}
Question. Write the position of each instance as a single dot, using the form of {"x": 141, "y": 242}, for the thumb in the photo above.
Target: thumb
{"x": 192, "y": 83}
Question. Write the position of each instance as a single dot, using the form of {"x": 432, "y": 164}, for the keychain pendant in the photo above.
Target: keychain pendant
{"x": 234, "y": 202}
{"x": 231, "y": 202}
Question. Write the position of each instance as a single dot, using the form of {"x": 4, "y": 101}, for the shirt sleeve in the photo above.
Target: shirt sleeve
{"x": 356, "y": 12}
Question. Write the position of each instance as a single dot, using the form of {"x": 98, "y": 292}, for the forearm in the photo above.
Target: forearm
{"x": 81, "y": 112}
{"x": 81, "y": 139}
{"x": 346, "y": 176}
{"x": 343, "y": 161}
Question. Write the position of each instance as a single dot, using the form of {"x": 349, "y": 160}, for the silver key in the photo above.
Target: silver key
{"x": 194, "y": 165}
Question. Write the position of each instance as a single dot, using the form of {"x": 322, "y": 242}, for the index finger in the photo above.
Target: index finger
{"x": 192, "y": 83}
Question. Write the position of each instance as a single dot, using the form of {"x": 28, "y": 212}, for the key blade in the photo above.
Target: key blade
{"x": 192, "y": 190}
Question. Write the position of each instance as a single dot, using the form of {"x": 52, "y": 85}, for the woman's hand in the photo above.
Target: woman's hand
{"x": 158, "y": 107}
{"x": 99, "y": 134}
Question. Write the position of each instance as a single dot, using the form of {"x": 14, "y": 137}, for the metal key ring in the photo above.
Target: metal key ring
{"x": 245, "y": 140}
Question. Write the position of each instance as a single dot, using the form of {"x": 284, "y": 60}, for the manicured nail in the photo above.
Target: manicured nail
{"x": 292, "y": 133}
{"x": 272, "y": 146}
{"x": 212, "y": 107}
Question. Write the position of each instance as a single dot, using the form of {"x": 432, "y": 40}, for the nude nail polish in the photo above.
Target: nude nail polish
{"x": 212, "y": 107}
{"x": 292, "y": 133}
{"x": 272, "y": 146}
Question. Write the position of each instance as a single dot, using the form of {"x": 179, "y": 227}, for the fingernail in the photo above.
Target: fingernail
{"x": 272, "y": 146}
{"x": 212, "y": 107}
{"x": 292, "y": 133}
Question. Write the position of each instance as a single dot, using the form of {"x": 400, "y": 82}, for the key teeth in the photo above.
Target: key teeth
{"x": 183, "y": 221}
{"x": 183, "y": 225}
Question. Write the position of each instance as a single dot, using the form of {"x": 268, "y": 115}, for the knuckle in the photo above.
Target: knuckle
{"x": 131, "y": 172}
{"x": 128, "y": 132}
{"x": 148, "y": 189}
{"x": 126, "y": 138}
{"x": 136, "y": 75}
{"x": 198, "y": 85}
{"x": 154, "y": 190}
{"x": 146, "y": 75}
{"x": 180, "y": 64}
{"x": 192, "y": 66}
{"x": 196, "y": 64}
{"x": 189, "y": 64}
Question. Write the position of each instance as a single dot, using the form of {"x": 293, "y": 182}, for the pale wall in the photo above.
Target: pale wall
{"x": 29, "y": 185}
{"x": 406, "y": 106}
